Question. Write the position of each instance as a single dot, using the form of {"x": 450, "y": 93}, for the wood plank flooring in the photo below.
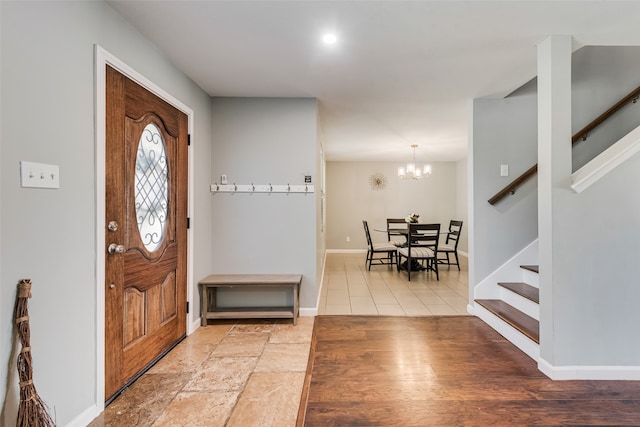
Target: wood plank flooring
{"x": 443, "y": 371}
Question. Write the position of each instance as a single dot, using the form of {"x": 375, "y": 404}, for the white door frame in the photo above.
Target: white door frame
{"x": 103, "y": 58}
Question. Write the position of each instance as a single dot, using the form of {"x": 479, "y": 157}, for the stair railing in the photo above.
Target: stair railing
{"x": 581, "y": 135}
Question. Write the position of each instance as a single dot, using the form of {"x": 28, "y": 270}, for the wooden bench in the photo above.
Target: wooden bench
{"x": 210, "y": 284}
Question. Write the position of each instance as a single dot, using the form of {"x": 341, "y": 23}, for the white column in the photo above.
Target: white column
{"x": 554, "y": 170}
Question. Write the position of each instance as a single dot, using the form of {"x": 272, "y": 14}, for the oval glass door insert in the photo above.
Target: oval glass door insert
{"x": 151, "y": 187}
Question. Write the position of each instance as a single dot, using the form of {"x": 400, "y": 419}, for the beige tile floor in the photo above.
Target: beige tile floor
{"x": 245, "y": 373}
{"x": 349, "y": 288}
{"x": 251, "y": 373}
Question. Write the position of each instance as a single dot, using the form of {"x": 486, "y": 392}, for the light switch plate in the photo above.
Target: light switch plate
{"x": 504, "y": 170}
{"x": 39, "y": 175}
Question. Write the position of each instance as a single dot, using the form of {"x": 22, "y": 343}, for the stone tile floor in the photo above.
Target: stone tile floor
{"x": 239, "y": 373}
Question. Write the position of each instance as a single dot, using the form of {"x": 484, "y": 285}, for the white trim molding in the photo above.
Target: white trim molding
{"x": 606, "y": 161}
{"x": 631, "y": 373}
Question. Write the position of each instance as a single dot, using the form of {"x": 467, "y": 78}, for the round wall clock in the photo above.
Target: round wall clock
{"x": 378, "y": 181}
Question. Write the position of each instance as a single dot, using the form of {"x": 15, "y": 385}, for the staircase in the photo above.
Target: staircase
{"x": 515, "y": 313}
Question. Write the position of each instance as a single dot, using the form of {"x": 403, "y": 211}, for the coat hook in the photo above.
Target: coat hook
{"x": 306, "y": 188}
{"x": 288, "y": 188}
{"x": 235, "y": 187}
{"x": 270, "y": 188}
{"x": 253, "y": 187}
{"x": 217, "y": 186}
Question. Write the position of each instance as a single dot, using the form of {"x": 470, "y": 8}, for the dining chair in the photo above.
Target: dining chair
{"x": 396, "y": 231}
{"x": 375, "y": 250}
{"x": 422, "y": 246}
{"x": 450, "y": 246}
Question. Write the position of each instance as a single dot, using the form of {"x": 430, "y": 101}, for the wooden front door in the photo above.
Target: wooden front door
{"x": 146, "y": 237}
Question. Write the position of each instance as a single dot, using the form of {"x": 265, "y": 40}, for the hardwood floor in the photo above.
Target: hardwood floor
{"x": 443, "y": 371}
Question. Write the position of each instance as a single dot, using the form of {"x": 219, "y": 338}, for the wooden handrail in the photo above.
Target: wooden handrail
{"x": 511, "y": 188}
{"x": 580, "y": 135}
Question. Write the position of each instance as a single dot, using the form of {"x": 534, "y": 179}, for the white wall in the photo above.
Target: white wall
{"x": 262, "y": 141}
{"x": 351, "y": 199}
{"x": 47, "y": 108}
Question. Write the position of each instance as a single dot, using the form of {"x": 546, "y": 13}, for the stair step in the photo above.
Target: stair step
{"x": 534, "y": 268}
{"x": 523, "y": 289}
{"x": 527, "y": 325}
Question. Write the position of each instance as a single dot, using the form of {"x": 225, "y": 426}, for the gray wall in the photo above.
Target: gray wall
{"x": 504, "y": 132}
{"x": 595, "y": 290}
{"x": 595, "y": 234}
{"x": 601, "y": 76}
{"x": 351, "y": 199}
{"x": 264, "y": 141}
{"x": 462, "y": 204}
{"x": 47, "y": 109}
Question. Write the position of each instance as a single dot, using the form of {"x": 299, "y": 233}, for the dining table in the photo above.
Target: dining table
{"x": 415, "y": 264}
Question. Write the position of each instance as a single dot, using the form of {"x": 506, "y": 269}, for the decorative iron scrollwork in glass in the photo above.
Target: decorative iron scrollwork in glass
{"x": 151, "y": 187}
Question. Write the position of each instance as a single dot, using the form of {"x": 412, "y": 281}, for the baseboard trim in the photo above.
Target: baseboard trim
{"x": 195, "y": 325}
{"x": 564, "y": 373}
{"x": 85, "y": 417}
{"x": 471, "y": 309}
{"x": 308, "y": 312}
{"x": 346, "y": 251}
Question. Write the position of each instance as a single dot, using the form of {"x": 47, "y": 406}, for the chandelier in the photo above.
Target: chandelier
{"x": 412, "y": 171}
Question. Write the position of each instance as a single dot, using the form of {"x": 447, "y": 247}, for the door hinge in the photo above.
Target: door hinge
{"x": 187, "y": 307}
{"x": 188, "y": 223}
{"x": 189, "y": 139}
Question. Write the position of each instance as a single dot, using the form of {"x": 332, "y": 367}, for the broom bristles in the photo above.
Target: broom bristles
{"x": 32, "y": 411}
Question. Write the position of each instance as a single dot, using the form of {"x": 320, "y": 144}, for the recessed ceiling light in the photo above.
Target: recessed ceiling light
{"x": 329, "y": 38}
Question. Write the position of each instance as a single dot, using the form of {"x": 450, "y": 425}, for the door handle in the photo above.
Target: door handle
{"x": 115, "y": 249}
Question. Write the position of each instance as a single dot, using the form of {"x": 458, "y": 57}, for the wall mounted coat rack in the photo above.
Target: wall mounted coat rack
{"x": 261, "y": 188}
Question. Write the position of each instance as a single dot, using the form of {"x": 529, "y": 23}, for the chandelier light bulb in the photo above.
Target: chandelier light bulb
{"x": 411, "y": 170}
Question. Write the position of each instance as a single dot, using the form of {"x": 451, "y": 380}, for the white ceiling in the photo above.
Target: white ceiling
{"x": 402, "y": 72}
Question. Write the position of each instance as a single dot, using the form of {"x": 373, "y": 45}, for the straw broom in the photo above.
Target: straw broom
{"x": 32, "y": 411}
